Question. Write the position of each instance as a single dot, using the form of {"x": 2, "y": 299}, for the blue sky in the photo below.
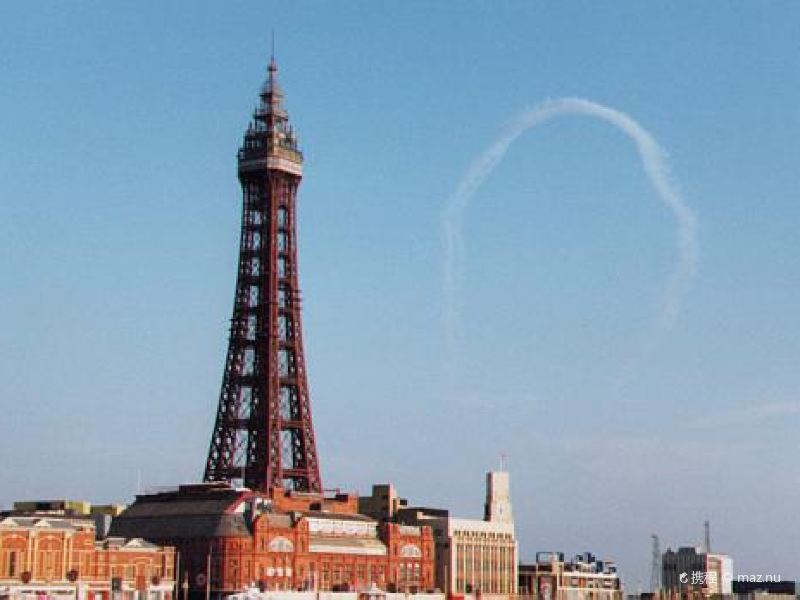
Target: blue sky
{"x": 119, "y": 210}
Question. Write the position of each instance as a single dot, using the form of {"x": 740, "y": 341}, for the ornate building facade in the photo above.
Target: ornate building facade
{"x": 59, "y": 556}
{"x": 233, "y": 539}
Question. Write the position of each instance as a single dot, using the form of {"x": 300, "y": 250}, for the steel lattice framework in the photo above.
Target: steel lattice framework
{"x": 263, "y": 433}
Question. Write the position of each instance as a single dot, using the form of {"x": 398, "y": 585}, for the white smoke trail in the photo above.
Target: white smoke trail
{"x": 655, "y": 166}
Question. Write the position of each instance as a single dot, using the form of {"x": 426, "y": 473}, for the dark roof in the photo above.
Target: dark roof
{"x": 771, "y": 587}
{"x": 424, "y": 510}
{"x": 185, "y": 500}
{"x": 201, "y": 511}
{"x": 179, "y": 506}
{"x": 173, "y": 527}
{"x": 190, "y": 512}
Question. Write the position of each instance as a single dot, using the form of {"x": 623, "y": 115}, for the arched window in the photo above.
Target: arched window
{"x": 281, "y": 544}
{"x": 411, "y": 551}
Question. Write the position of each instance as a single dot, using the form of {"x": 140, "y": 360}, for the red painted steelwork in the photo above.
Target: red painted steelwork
{"x": 263, "y": 433}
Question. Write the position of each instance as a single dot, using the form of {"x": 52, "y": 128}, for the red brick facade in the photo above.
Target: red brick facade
{"x": 281, "y": 557}
{"x": 286, "y": 542}
{"x": 60, "y": 557}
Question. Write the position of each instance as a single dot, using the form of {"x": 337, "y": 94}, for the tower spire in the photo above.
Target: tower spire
{"x": 271, "y": 94}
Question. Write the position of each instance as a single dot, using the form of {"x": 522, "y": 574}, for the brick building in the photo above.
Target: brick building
{"x": 231, "y": 539}
{"x": 55, "y": 553}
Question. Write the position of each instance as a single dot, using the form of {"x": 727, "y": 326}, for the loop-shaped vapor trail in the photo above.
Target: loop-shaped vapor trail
{"x": 655, "y": 165}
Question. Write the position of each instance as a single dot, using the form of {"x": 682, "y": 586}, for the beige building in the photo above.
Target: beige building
{"x": 719, "y": 574}
{"x": 474, "y": 557}
{"x": 584, "y": 577}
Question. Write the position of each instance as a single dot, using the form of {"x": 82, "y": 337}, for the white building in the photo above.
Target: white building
{"x": 475, "y": 556}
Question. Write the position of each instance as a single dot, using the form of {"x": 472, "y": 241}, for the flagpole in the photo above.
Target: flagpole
{"x": 208, "y": 573}
{"x": 177, "y": 576}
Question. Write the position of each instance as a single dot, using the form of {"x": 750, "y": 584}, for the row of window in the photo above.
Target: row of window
{"x": 50, "y": 565}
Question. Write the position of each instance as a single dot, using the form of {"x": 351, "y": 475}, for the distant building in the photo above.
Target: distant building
{"x": 719, "y": 574}
{"x": 384, "y": 503}
{"x": 764, "y": 590}
{"x": 497, "y": 508}
{"x": 233, "y": 539}
{"x": 72, "y": 508}
{"x": 692, "y": 570}
{"x": 584, "y": 577}
{"x": 101, "y": 514}
{"x": 50, "y": 549}
{"x": 474, "y": 557}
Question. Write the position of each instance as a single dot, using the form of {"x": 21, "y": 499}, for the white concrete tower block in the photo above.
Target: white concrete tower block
{"x": 498, "y": 498}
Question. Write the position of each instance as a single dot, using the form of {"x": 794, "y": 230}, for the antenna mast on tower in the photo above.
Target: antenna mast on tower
{"x": 655, "y": 572}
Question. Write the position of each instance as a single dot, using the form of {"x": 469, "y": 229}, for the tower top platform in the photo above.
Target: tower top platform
{"x": 270, "y": 141}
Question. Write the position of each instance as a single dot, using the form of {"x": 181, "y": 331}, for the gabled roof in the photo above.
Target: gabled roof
{"x": 139, "y": 544}
{"x": 38, "y": 522}
{"x": 120, "y": 543}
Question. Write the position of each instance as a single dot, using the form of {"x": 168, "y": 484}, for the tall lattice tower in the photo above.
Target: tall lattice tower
{"x": 655, "y": 565}
{"x": 263, "y": 435}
